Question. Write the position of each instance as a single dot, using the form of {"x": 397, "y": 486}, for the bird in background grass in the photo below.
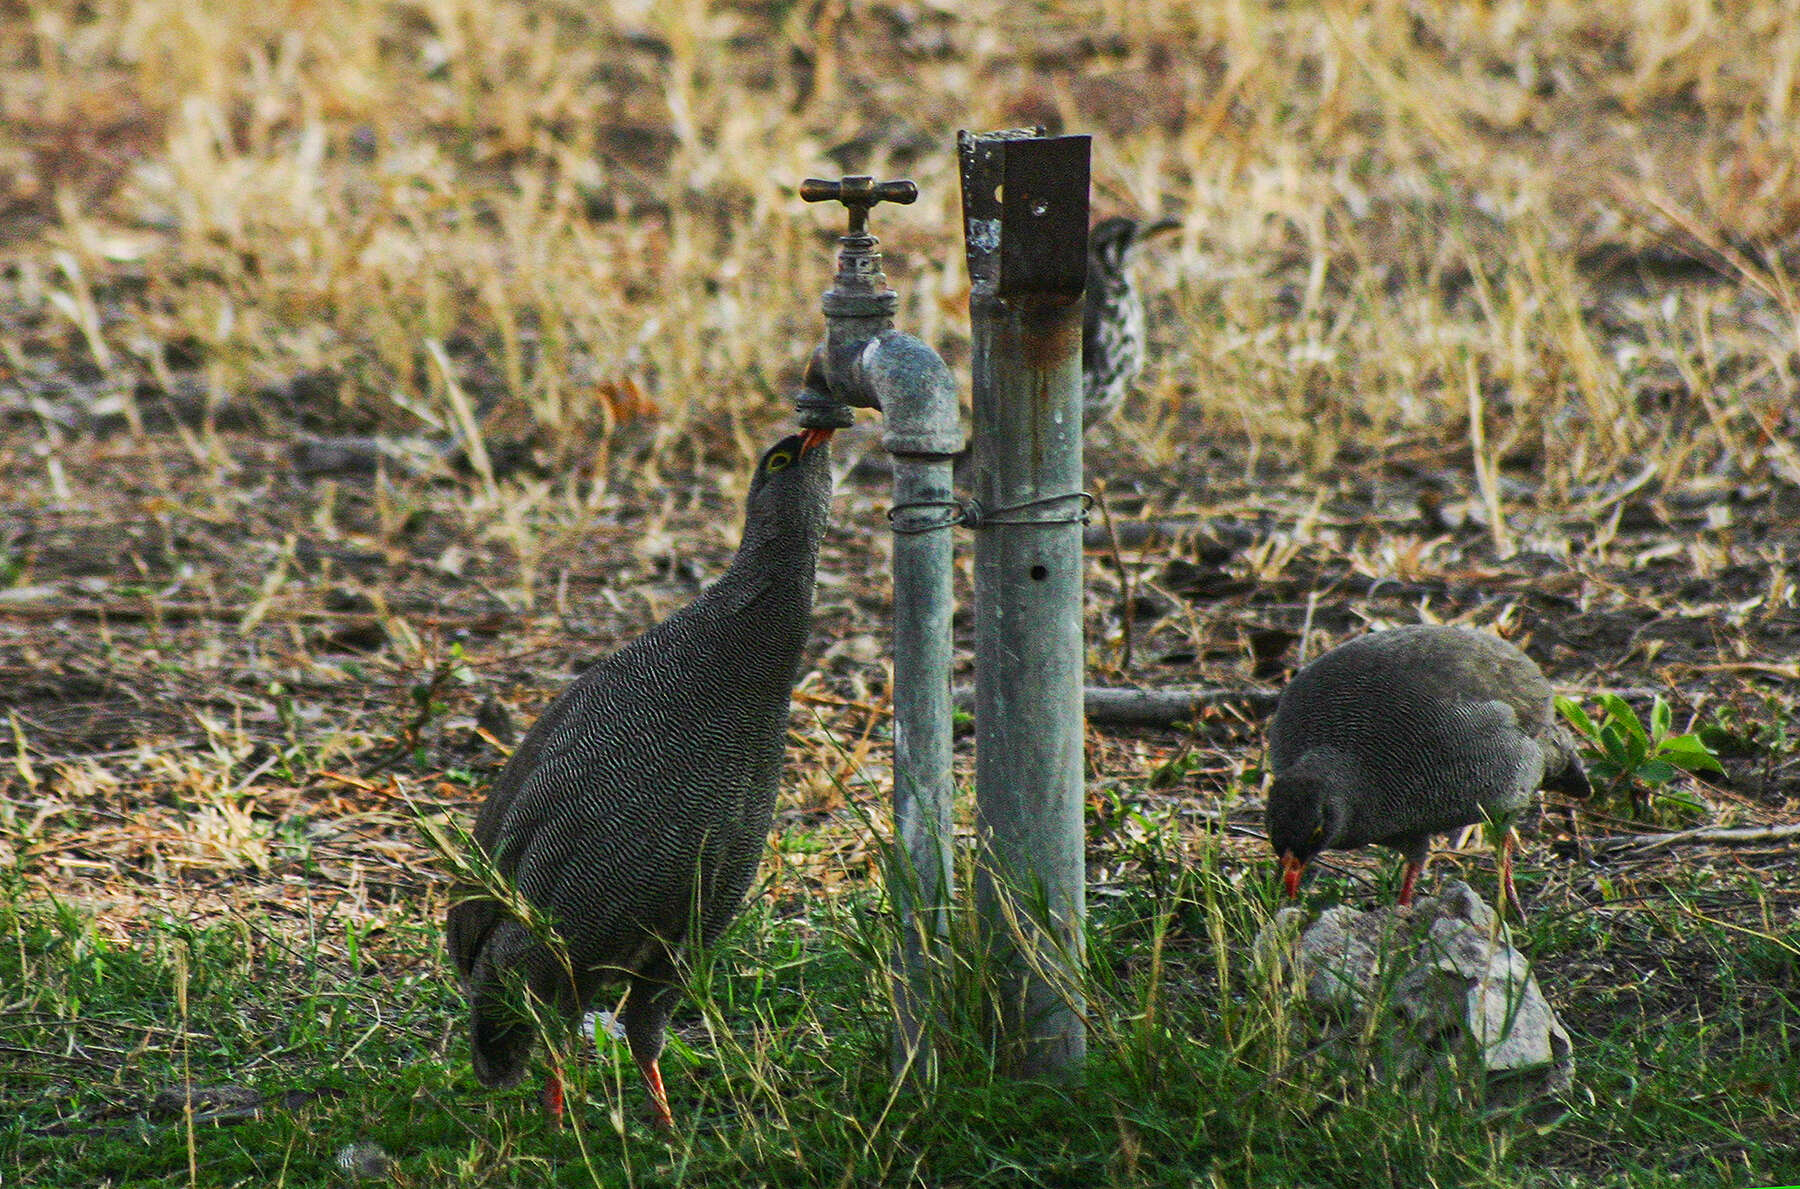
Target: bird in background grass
{"x": 1402, "y": 734}
{"x": 631, "y": 819}
{"x": 1113, "y": 341}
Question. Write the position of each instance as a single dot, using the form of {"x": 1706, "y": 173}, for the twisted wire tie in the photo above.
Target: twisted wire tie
{"x": 971, "y": 514}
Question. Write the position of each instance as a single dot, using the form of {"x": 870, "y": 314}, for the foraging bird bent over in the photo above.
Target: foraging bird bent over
{"x": 1402, "y": 734}
{"x": 1112, "y": 322}
{"x": 633, "y": 815}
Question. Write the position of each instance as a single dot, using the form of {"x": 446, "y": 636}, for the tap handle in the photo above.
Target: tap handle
{"x": 859, "y": 193}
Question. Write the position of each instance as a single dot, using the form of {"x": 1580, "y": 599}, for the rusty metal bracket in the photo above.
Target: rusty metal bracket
{"x": 1044, "y": 208}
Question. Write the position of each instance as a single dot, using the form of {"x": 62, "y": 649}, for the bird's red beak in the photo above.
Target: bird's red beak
{"x": 813, "y": 437}
{"x": 1291, "y": 867}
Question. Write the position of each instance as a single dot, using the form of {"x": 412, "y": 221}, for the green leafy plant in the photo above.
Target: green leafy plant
{"x": 1630, "y": 762}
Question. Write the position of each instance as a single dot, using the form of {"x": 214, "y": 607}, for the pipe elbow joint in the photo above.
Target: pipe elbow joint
{"x": 916, "y": 392}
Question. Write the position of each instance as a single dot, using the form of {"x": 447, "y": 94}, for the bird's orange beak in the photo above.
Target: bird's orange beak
{"x": 813, "y": 437}
{"x": 1291, "y": 867}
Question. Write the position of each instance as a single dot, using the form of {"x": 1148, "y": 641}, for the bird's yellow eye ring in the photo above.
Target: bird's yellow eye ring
{"x": 779, "y": 461}
{"x": 1318, "y": 834}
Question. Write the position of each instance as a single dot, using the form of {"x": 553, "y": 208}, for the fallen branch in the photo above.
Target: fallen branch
{"x": 1720, "y": 836}
{"x": 1130, "y": 707}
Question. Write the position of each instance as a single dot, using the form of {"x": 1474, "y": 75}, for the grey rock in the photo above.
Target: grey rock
{"x": 365, "y": 1161}
{"x": 1446, "y": 980}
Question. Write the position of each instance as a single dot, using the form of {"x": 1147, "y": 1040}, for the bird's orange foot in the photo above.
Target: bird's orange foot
{"x": 1406, "y": 885}
{"x": 659, "y": 1099}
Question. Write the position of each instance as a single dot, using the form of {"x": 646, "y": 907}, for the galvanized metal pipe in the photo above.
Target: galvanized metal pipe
{"x": 923, "y": 434}
{"x": 1025, "y": 209}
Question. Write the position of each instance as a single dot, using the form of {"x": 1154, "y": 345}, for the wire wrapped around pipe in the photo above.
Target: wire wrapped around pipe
{"x": 970, "y": 514}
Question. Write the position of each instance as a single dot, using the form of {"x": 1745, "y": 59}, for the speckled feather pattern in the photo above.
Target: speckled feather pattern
{"x": 1423, "y": 730}
{"x": 637, "y": 807}
{"x": 1112, "y": 322}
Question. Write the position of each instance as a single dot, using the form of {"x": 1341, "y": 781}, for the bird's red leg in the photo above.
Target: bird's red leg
{"x": 659, "y": 1098}
{"x": 553, "y": 1097}
{"x": 1406, "y": 885}
{"x": 1291, "y": 869}
{"x": 1509, "y": 893}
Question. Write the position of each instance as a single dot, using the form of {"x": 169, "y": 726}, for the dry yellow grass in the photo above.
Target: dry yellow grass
{"x": 596, "y": 195}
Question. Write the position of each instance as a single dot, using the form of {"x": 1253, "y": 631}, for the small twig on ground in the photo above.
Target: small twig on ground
{"x": 1721, "y": 836}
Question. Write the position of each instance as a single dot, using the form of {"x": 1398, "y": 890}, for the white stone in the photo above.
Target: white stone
{"x": 1445, "y": 973}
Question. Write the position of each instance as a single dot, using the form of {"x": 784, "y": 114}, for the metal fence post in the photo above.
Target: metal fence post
{"x": 1025, "y": 211}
